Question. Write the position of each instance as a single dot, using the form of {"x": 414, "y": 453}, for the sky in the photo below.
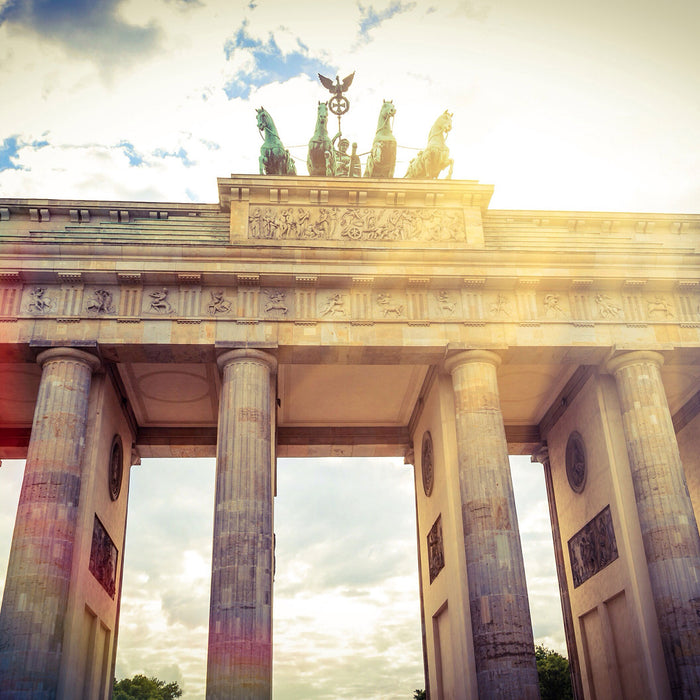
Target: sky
{"x": 560, "y": 104}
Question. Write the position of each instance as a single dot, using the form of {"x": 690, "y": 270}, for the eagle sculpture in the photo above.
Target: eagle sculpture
{"x": 336, "y": 88}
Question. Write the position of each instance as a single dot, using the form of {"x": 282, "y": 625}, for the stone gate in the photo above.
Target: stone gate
{"x": 306, "y": 316}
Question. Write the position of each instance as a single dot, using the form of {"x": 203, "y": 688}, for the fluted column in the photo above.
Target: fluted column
{"x": 669, "y": 529}
{"x": 39, "y": 570}
{"x": 239, "y": 663}
{"x": 503, "y": 642}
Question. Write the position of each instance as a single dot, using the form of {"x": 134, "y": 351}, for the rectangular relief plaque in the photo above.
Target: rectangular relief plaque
{"x": 436, "y": 553}
{"x": 103, "y": 558}
{"x": 593, "y": 547}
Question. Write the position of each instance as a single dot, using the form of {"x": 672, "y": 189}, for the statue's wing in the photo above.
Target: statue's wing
{"x": 326, "y": 82}
{"x": 347, "y": 82}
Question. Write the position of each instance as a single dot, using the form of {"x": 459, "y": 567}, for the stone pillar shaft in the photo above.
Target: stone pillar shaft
{"x": 669, "y": 529}
{"x": 239, "y": 663}
{"x": 39, "y": 571}
{"x": 501, "y": 627}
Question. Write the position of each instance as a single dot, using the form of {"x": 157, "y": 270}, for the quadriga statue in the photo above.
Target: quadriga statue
{"x": 435, "y": 157}
{"x": 381, "y": 160}
{"x": 274, "y": 158}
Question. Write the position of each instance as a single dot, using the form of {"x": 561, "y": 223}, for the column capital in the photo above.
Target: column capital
{"x": 468, "y": 356}
{"x": 246, "y": 355}
{"x": 632, "y": 357}
{"x": 541, "y": 455}
{"x": 53, "y": 354}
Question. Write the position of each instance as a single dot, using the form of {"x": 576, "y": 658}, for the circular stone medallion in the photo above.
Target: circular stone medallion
{"x": 426, "y": 463}
{"x": 576, "y": 462}
{"x": 116, "y": 468}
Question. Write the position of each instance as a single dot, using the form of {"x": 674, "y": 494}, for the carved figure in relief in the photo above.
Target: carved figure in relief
{"x": 335, "y": 304}
{"x": 102, "y": 303}
{"x": 435, "y": 157}
{"x": 606, "y": 307}
{"x": 659, "y": 307}
{"x": 446, "y": 304}
{"x": 218, "y": 304}
{"x": 381, "y": 160}
{"x": 160, "y": 303}
{"x": 389, "y": 306}
{"x": 552, "y": 307}
{"x": 500, "y": 307}
{"x": 321, "y": 156}
{"x": 40, "y": 303}
{"x": 275, "y": 301}
{"x": 274, "y": 158}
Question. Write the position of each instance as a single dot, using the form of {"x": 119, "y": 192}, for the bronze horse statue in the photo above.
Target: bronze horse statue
{"x": 435, "y": 157}
{"x": 381, "y": 160}
{"x": 274, "y": 158}
{"x": 321, "y": 156}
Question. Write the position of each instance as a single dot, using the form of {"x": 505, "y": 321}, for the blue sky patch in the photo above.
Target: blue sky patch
{"x": 370, "y": 18}
{"x": 135, "y": 158}
{"x": 9, "y": 149}
{"x": 180, "y": 154}
{"x": 271, "y": 64}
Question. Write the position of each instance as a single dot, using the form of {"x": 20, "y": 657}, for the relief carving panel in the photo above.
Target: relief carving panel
{"x": 436, "y": 552}
{"x": 358, "y": 224}
{"x": 593, "y": 547}
{"x": 103, "y": 558}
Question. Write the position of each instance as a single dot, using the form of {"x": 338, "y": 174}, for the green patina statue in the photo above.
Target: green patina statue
{"x": 382, "y": 158}
{"x": 435, "y": 157}
{"x": 274, "y": 158}
{"x": 321, "y": 160}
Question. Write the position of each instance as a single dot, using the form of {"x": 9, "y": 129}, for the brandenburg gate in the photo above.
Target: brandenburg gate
{"x": 315, "y": 316}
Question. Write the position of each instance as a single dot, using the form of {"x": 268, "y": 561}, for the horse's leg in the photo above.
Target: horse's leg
{"x": 449, "y": 172}
{"x": 262, "y": 164}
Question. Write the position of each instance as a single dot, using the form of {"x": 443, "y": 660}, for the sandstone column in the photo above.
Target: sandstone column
{"x": 39, "y": 570}
{"x": 669, "y": 529}
{"x": 239, "y": 663}
{"x": 503, "y": 642}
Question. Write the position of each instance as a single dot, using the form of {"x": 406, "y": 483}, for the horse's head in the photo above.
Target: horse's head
{"x": 445, "y": 121}
{"x": 322, "y": 113}
{"x": 388, "y": 110}
{"x": 442, "y": 126}
{"x": 263, "y": 119}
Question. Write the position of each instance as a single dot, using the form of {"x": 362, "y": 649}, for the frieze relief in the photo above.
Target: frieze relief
{"x": 356, "y": 224}
{"x": 412, "y": 304}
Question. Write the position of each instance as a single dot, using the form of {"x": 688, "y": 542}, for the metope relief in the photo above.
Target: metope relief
{"x": 218, "y": 303}
{"x": 276, "y": 301}
{"x": 553, "y": 307}
{"x": 446, "y": 303}
{"x": 357, "y": 224}
{"x": 427, "y": 463}
{"x": 101, "y": 302}
{"x": 103, "y": 558}
{"x": 333, "y": 306}
{"x": 436, "y": 551}
{"x": 40, "y": 303}
{"x": 389, "y": 307}
{"x": 607, "y": 308}
{"x": 593, "y": 547}
{"x": 659, "y": 309}
{"x": 160, "y": 303}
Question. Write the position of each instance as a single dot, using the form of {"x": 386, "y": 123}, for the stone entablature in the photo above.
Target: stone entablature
{"x": 249, "y": 297}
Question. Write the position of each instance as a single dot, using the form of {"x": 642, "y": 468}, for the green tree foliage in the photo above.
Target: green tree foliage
{"x": 419, "y": 694}
{"x": 141, "y": 688}
{"x": 553, "y": 673}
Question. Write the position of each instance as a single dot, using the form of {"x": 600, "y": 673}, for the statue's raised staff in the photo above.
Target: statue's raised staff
{"x": 274, "y": 158}
{"x": 321, "y": 156}
{"x": 435, "y": 157}
{"x": 382, "y": 158}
